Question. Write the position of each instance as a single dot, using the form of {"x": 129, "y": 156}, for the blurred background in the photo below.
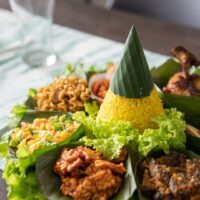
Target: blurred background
{"x": 178, "y": 11}
{"x": 184, "y": 12}
{"x": 161, "y": 24}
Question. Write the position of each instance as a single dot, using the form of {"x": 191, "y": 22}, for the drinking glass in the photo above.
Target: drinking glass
{"x": 35, "y": 19}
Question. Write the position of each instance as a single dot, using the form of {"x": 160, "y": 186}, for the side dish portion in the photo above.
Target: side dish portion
{"x": 65, "y": 93}
{"x": 184, "y": 82}
{"x": 86, "y": 175}
{"x": 172, "y": 176}
{"x": 43, "y": 132}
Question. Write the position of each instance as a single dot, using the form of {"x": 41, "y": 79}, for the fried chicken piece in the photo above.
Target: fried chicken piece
{"x": 93, "y": 186}
{"x": 71, "y": 159}
{"x": 181, "y": 84}
{"x": 186, "y": 58}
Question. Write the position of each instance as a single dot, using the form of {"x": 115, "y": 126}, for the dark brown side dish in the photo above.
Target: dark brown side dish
{"x": 171, "y": 177}
{"x": 182, "y": 83}
{"x": 85, "y": 175}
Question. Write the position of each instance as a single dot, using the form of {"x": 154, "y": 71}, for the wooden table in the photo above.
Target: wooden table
{"x": 155, "y": 35}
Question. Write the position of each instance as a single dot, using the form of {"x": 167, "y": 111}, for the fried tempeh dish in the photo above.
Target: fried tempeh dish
{"x": 171, "y": 177}
{"x": 65, "y": 93}
{"x": 182, "y": 83}
{"x": 85, "y": 175}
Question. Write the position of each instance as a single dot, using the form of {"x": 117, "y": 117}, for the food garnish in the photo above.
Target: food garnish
{"x": 172, "y": 176}
{"x": 132, "y": 96}
{"x": 186, "y": 58}
{"x": 65, "y": 93}
{"x": 85, "y": 175}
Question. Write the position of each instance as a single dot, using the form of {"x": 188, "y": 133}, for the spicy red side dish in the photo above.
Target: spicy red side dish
{"x": 99, "y": 88}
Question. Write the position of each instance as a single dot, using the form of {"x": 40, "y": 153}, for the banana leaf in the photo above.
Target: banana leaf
{"x": 31, "y": 103}
{"x": 162, "y": 74}
{"x": 4, "y": 130}
{"x": 50, "y": 182}
{"x": 24, "y": 113}
{"x": 193, "y": 143}
{"x": 190, "y": 105}
{"x": 138, "y": 176}
{"x": 74, "y": 137}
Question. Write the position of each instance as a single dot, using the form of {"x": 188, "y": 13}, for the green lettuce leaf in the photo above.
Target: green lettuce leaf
{"x": 22, "y": 185}
{"x": 32, "y": 92}
{"x": 4, "y": 144}
{"x": 91, "y": 108}
{"x": 109, "y": 147}
{"x": 169, "y": 135}
{"x": 3, "y": 149}
{"x": 107, "y": 137}
{"x": 76, "y": 70}
{"x": 16, "y": 115}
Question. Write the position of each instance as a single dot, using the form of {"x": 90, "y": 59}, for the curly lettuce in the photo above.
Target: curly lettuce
{"x": 22, "y": 185}
{"x": 170, "y": 133}
{"x": 4, "y": 144}
{"x": 108, "y": 137}
{"x": 91, "y": 108}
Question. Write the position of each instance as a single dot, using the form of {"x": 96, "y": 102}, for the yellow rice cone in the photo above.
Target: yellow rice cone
{"x": 138, "y": 111}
